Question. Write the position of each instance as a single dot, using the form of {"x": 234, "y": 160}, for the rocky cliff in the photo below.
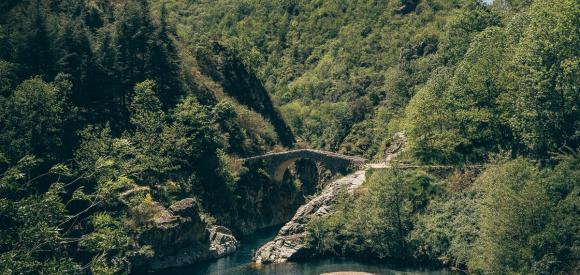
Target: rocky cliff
{"x": 290, "y": 242}
{"x": 262, "y": 203}
{"x": 179, "y": 237}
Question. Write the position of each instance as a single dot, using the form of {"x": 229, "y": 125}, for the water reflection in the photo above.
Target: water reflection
{"x": 240, "y": 263}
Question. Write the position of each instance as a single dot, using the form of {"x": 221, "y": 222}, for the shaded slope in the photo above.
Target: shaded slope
{"x": 239, "y": 82}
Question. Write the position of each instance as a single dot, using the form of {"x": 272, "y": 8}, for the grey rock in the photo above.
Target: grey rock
{"x": 222, "y": 242}
{"x": 185, "y": 207}
{"x": 290, "y": 242}
{"x": 179, "y": 237}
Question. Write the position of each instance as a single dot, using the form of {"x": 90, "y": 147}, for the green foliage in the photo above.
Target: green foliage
{"x": 109, "y": 239}
{"x": 460, "y": 29}
{"x": 376, "y": 223}
{"x": 111, "y": 109}
{"x": 147, "y": 140}
{"x": 455, "y": 118}
{"x": 429, "y": 123}
{"x": 107, "y": 235}
{"x": 96, "y": 151}
{"x": 263, "y": 133}
{"x": 447, "y": 230}
{"x": 331, "y": 57}
{"x": 228, "y": 120}
{"x": 520, "y": 226}
{"x": 31, "y": 44}
{"x": 121, "y": 116}
{"x": 473, "y": 93}
{"x": 323, "y": 125}
{"x": 515, "y": 218}
{"x": 7, "y": 77}
{"x": 513, "y": 89}
{"x": 27, "y": 232}
{"x": 146, "y": 114}
{"x": 33, "y": 119}
{"x": 512, "y": 5}
{"x": 194, "y": 123}
{"x": 541, "y": 99}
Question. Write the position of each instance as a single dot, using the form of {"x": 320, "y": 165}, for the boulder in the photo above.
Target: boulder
{"x": 184, "y": 208}
{"x": 222, "y": 242}
{"x": 179, "y": 237}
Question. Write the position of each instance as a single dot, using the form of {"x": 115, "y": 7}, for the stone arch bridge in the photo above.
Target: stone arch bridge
{"x": 277, "y": 163}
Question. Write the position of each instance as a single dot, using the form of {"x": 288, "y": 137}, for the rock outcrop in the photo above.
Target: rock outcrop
{"x": 179, "y": 237}
{"x": 263, "y": 203}
{"x": 290, "y": 242}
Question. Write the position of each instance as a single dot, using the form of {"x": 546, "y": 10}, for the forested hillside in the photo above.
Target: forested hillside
{"x": 339, "y": 69}
{"x": 99, "y": 101}
{"x": 344, "y": 69}
{"x": 111, "y": 112}
{"x": 467, "y": 83}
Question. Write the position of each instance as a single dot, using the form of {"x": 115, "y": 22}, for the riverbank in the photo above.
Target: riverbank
{"x": 290, "y": 243}
{"x": 240, "y": 263}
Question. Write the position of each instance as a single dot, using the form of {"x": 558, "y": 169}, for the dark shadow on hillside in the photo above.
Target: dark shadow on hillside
{"x": 239, "y": 81}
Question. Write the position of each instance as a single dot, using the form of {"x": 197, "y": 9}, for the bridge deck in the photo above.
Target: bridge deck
{"x": 299, "y": 152}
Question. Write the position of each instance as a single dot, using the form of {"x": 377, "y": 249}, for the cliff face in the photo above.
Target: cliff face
{"x": 179, "y": 237}
{"x": 290, "y": 242}
{"x": 263, "y": 203}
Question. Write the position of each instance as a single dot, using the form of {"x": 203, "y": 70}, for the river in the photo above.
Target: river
{"x": 240, "y": 263}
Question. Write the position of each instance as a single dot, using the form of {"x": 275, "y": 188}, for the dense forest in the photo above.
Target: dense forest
{"x": 111, "y": 111}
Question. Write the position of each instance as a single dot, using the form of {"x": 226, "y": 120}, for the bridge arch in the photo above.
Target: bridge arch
{"x": 276, "y": 164}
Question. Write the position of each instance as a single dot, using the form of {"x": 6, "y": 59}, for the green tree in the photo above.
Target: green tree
{"x": 520, "y": 226}
{"x": 27, "y": 233}
{"x": 143, "y": 50}
{"x": 376, "y": 222}
{"x": 541, "y": 102}
{"x": 229, "y": 123}
{"x": 31, "y": 42}
{"x": 164, "y": 62}
{"x": 7, "y": 78}
{"x": 150, "y": 161}
{"x": 197, "y": 147}
{"x": 473, "y": 92}
{"x": 515, "y": 5}
{"x": 474, "y": 17}
{"x": 33, "y": 119}
{"x": 433, "y": 132}
{"x": 73, "y": 56}
{"x": 448, "y": 229}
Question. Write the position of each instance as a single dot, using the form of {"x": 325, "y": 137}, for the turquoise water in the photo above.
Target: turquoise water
{"x": 241, "y": 263}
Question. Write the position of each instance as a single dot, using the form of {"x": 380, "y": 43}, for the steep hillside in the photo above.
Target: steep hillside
{"x": 122, "y": 124}
{"x": 239, "y": 82}
{"x": 340, "y": 69}
{"x": 111, "y": 125}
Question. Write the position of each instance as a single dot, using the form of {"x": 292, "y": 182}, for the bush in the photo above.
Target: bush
{"x": 376, "y": 222}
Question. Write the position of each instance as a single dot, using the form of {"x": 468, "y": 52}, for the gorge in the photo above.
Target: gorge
{"x": 289, "y": 136}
